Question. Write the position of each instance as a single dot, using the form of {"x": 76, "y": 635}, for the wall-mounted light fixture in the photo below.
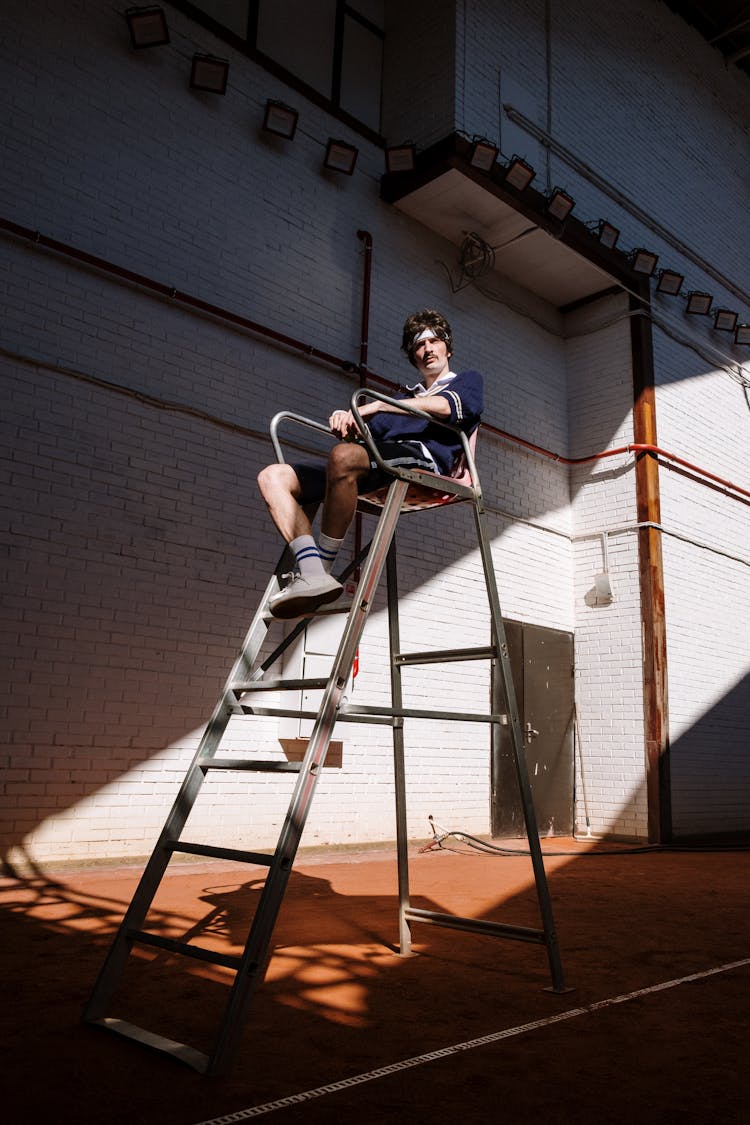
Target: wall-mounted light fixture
{"x": 340, "y": 156}
{"x": 725, "y": 320}
{"x": 602, "y": 584}
{"x": 606, "y": 233}
{"x": 699, "y": 304}
{"x": 643, "y": 261}
{"x": 483, "y": 154}
{"x": 669, "y": 282}
{"x": 280, "y": 119}
{"x": 401, "y": 158}
{"x": 209, "y": 73}
{"x": 519, "y": 173}
{"x": 147, "y": 27}
{"x": 742, "y": 334}
{"x": 560, "y": 204}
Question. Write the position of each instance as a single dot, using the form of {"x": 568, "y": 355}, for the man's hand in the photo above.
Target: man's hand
{"x": 343, "y": 425}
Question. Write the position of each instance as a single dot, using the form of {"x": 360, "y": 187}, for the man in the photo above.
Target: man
{"x": 403, "y": 440}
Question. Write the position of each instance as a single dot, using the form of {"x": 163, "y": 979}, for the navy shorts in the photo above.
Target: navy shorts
{"x": 400, "y": 454}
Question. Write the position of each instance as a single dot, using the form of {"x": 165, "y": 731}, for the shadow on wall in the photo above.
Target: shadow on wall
{"x": 710, "y": 769}
{"x": 144, "y": 549}
{"x": 121, "y": 628}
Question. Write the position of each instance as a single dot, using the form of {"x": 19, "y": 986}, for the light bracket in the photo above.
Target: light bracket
{"x": 643, "y": 261}
{"x": 147, "y": 27}
{"x": 699, "y": 304}
{"x": 340, "y": 156}
{"x": 209, "y": 73}
{"x": 280, "y": 119}
{"x": 401, "y": 158}
{"x": 669, "y": 282}
{"x": 519, "y": 173}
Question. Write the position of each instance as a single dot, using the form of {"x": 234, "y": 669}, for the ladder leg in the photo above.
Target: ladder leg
{"x": 399, "y": 770}
{"x": 506, "y": 678}
{"x": 255, "y": 956}
{"x": 116, "y": 960}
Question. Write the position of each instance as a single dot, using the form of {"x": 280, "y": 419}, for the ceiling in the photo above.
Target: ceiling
{"x": 454, "y": 206}
{"x": 725, "y": 24}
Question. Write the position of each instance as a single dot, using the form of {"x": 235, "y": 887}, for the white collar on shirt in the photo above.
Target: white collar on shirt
{"x": 443, "y": 381}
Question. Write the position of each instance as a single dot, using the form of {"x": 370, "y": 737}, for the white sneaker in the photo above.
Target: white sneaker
{"x": 304, "y": 594}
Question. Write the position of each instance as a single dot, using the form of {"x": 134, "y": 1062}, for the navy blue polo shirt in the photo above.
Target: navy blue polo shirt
{"x": 464, "y": 392}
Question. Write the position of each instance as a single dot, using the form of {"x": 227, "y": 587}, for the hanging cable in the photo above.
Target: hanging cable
{"x": 440, "y": 835}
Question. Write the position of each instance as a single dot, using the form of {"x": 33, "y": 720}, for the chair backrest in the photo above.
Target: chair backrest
{"x": 426, "y": 494}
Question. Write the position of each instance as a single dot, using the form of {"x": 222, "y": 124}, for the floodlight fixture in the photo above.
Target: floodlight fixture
{"x": 483, "y": 154}
{"x": 209, "y": 73}
{"x": 401, "y": 158}
{"x": 725, "y": 320}
{"x": 699, "y": 304}
{"x": 607, "y": 234}
{"x": 519, "y": 173}
{"x": 147, "y": 27}
{"x": 340, "y": 156}
{"x": 643, "y": 261}
{"x": 669, "y": 282}
{"x": 742, "y": 334}
{"x": 280, "y": 119}
{"x": 560, "y": 204}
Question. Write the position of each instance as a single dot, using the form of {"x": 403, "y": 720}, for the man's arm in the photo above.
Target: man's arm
{"x": 344, "y": 426}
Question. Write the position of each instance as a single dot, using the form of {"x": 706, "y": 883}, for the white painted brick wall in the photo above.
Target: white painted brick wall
{"x": 611, "y": 795}
{"x": 134, "y": 545}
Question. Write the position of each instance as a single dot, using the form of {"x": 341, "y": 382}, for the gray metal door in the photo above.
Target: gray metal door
{"x": 542, "y": 662}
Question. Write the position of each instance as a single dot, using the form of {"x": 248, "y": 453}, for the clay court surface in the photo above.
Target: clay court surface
{"x": 633, "y": 1042}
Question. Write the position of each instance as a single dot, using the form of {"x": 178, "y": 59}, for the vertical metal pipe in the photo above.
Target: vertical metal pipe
{"x": 651, "y": 571}
{"x": 500, "y": 644}
{"x": 399, "y": 769}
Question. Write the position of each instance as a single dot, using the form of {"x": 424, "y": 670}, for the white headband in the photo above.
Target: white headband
{"x": 426, "y": 334}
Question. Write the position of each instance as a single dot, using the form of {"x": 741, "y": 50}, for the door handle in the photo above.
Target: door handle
{"x": 530, "y": 732}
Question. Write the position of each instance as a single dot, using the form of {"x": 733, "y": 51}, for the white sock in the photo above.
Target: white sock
{"x": 328, "y": 548}
{"x": 306, "y": 554}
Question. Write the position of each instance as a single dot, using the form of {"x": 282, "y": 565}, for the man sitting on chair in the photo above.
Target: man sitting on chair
{"x": 403, "y": 441}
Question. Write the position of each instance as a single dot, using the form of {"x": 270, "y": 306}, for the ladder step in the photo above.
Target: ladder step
{"x": 264, "y": 859}
{"x": 279, "y": 685}
{"x": 475, "y": 925}
{"x": 357, "y": 715}
{"x": 259, "y": 765}
{"x": 180, "y": 1051}
{"x": 445, "y": 656}
{"x": 351, "y": 711}
{"x": 228, "y": 960}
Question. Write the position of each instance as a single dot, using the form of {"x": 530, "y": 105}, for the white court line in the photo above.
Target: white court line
{"x": 445, "y": 1052}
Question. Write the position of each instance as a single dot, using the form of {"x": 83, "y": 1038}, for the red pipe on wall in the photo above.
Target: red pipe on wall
{"x": 326, "y": 357}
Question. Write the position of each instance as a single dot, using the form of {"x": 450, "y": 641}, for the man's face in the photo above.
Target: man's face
{"x": 431, "y": 357}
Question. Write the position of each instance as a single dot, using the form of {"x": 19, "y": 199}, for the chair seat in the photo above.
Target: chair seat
{"x": 423, "y": 495}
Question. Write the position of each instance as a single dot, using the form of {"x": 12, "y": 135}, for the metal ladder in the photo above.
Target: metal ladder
{"x": 245, "y": 685}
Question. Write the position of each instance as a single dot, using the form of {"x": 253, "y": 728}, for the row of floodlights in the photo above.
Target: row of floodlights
{"x": 148, "y": 28}
{"x": 519, "y": 174}
{"x": 697, "y": 303}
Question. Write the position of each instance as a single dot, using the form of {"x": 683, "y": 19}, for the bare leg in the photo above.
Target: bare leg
{"x": 347, "y": 464}
{"x": 281, "y": 491}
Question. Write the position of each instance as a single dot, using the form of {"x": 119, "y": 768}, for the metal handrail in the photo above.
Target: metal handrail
{"x": 367, "y": 439}
{"x": 367, "y": 392}
{"x": 282, "y": 416}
